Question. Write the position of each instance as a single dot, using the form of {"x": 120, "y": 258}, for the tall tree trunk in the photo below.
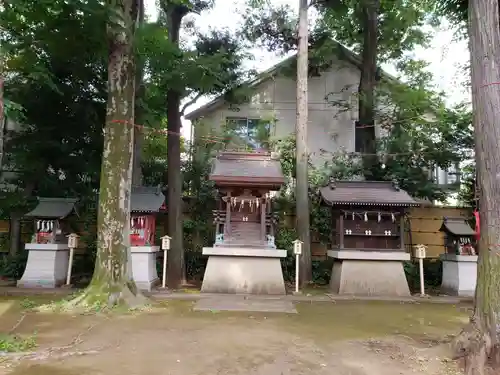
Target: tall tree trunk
{"x": 368, "y": 80}
{"x": 2, "y": 119}
{"x": 302, "y": 190}
{"x": 16, "y": 216}
{"x": 139, "y": 119}
{"x": 479, "y": 341}
{"x": 174, "y": 191}
{"x": 112, "y": 281}
{"x": 175, "y": 273}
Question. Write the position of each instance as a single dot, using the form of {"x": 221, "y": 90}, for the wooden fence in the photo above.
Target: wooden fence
{"x": 424, "y": 229}
{"x": 425, "y": 223}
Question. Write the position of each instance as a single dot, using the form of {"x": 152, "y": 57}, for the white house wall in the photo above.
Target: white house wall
{"x": 330, "y": 128}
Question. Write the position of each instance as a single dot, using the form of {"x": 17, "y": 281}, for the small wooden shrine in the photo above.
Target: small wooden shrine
{"x": 459, "y": 236}
{"x": 368, "y": 237}
{"x": 459, "y": 258}
{"x": 145, "y": 204}
{"x": 244, "y": 238}
{"x": 48, "y": 251}
{"x": 51, "y": 219}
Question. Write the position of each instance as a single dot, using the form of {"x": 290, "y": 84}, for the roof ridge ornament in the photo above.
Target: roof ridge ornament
{"x": 395, "y": 185}
{"x": 331, "y": 183}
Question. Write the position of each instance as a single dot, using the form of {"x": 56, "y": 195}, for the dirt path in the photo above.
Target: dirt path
{"x": 176, "y": 341}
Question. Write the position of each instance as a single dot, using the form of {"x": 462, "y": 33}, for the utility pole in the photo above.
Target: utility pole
{"x": 302, "y": 185}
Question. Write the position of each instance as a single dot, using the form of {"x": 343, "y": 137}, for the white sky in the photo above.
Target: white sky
{"x": 446, "y": 55}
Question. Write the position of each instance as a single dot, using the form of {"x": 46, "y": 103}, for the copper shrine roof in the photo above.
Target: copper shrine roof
{"x": 146, "y": 199}
{"x": 373, "y": 193}
{"x": 53, "y": 208}
{"x": 457, "y": 226}
{"x": 234, "y": 168}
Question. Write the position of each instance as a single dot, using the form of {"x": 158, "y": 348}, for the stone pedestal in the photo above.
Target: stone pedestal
{"x": 459, "y": 275}
{"x": 369, "y": 273}
{"x": 239, "y": 270}
{"x": 47, "y": 266}
{"x": 144, "y": 266}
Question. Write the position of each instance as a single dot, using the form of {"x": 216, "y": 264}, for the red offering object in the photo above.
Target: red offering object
{"x": 478, "y": 226}
{"x": 143, "y": 230}
{"x": 43, "y": 237}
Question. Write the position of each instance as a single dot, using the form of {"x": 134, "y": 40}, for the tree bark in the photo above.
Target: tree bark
{"x": 2, "y": 119}
{"x": 140, "y": 92}
{"x": 302, "y": 175}
{"x": 174, "y": 13}
{"x": 15, "y": 224}
{"x": 479, "y": 344}
{"x": 112, "y": 281}
{"x": 366, "y": 91}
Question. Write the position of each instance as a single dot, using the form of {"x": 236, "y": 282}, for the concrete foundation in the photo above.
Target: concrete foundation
{"x": 47, "y": 266}
{"x": 243, "y": 271}
{"x": 459, "y": 275}
{"x": 144, "y": 266}
{"x": 369, "y": 273}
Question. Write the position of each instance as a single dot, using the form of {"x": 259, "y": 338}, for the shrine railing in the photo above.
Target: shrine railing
{"x": 220, "y": 217}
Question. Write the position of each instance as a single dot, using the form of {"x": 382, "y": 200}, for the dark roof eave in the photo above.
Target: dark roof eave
{"x": 351, "y": 203}
{"x": 255, "y": 181}
{"x": 464, "y": 228}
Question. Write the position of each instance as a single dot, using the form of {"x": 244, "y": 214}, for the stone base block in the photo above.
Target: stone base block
{"x": 459, "y": 275}
{"x": 382, "y": 276}
{"x": 144, "y": 266}
{"x": 244, "y": 271}
{"x": 47, "y": 266}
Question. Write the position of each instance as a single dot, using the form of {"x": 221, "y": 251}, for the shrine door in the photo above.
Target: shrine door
{"x": 246, "y": 213}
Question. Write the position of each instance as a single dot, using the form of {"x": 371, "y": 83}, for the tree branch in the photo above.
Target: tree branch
{"x": 321, "y": 2}
{"x": 192, "y": 101}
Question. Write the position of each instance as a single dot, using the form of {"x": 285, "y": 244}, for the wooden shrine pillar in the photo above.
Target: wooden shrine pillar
{"x": 227, "y": 224}
{"x": 341, "y": 231}
{"x": 263, "y": 219}
{"x": 402, "y": 231}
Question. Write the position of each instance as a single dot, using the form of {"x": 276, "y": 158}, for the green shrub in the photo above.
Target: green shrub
{"x": 14, "y": 343}
{"x": 12, "y": 266}
{"x": 194, "y": 261}
{"x": 433, "y": 274}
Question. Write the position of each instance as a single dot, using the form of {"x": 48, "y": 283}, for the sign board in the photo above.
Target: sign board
{"x": 73, "y": 240}
{"x": 419, "y": 252}
{"x": 297, "y": 247}
{"x": 165, "y": 242}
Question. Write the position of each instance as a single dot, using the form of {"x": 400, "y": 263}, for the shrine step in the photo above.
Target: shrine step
{"x": 243, "y": 232}
{"x": 252, "y": 244}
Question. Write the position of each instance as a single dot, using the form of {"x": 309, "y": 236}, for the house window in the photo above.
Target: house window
{"x": 364, "y": 135}
{"x": 248, "y": 133}
{"x": 446, "y": 177}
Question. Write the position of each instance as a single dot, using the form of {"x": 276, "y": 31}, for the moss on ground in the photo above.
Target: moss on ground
{"x": 319, "y": 322}
{"x": 349, "y": 319}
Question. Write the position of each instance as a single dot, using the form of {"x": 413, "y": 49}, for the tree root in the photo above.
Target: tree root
{"x": 59, "y": 352}
{"x": 16, "y": 326}
{"x": 99, "y": 298}
{"x": 472, "y": 347}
